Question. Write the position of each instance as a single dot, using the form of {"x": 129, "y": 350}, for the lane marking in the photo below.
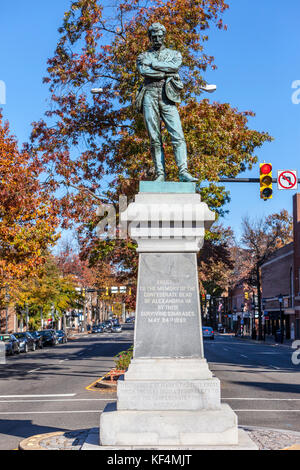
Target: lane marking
{"x": 60, "y": 400}
{"x": 37, "y": 396}
{"x": 33, "y": 370}
{"x": 48, "y": 412}
{"x": 264, "y": 399}
{"x": 272, "y": 410}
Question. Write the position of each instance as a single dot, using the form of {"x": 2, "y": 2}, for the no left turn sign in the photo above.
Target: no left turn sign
{"x": 287, "y": 179}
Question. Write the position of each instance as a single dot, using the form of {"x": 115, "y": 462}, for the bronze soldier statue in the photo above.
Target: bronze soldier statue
{"x": 157, "y": 100}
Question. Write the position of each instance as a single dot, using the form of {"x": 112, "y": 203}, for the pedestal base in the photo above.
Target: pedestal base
{"x": 170, "y": 429}
{"x": 244, "y": 443}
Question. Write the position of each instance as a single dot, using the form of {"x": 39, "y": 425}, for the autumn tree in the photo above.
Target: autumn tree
{"x": 215, "y": 263}
{"x": 28, "y": 220}
{"x": 260, "y": 239}
{"x": 50, "y": 291}
{"x": 85, "y": 139}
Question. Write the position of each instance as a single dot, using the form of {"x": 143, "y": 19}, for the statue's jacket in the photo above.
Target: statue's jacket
{"x": 163, "y": 70}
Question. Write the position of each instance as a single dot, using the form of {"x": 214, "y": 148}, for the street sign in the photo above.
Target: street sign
{"x": 287, "y": 179}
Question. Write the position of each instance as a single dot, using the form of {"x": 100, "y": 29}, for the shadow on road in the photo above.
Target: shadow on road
{"x": 100, "y": 349}
{"x": 271, "y": 386}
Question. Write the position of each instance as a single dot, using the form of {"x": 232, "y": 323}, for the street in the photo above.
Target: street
{"x": 45, "y": 391}
{"x": 258, "y": 381}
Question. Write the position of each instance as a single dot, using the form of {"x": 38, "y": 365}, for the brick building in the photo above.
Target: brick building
{"x": 8, "y": 320}
{"x": 280, "y": 276}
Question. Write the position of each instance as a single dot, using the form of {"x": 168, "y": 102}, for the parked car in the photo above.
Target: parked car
{"x": 37, "y": 338}
{"x": 208, "y": 332}
{"x": 54, "y": 334}
{"x": 97, "y": 329}
{"x": 12, "y": 345}
{"x": 130, "y": 320}
{"x": 116, "y": 328}
{"x": 26, "y": 341}
{"x": 61, "y": 336}
{"x": 107, "y": 325}
{"x": 48, "y": 338}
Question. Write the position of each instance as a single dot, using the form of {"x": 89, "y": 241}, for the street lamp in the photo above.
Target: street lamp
{"x": 208, "y": 88}
{"x": 280, "y": 300}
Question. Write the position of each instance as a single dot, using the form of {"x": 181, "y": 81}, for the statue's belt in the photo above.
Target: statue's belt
{"x": 154, "y": 83}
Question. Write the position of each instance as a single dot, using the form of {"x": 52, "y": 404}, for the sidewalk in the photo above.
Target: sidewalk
{"x": 269, "y": 340}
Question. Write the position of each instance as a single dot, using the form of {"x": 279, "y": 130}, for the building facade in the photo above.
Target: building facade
{"x": 281, "y": 286}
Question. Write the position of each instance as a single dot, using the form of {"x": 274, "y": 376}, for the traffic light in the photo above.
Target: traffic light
{"x": 246, "y": 295}
{"x": 265, "y": 179}
{"x": 107, "y": 291}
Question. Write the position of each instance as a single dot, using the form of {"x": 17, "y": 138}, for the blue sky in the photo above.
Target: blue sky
{"x": 257, "y": 58}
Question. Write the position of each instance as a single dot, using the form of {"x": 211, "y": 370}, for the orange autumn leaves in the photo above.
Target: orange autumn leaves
{"x": 27, "y": 217}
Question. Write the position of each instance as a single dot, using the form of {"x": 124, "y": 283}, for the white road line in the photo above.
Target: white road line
{"x": 263, "y": 399}
{"x": 272, "y": 410}
{"x": 12, "y": 413}
{"x": 242, "y": 355}
{"x": 37, "y": 396}
{"x": 55, "y": 400}
{"x": 33, "y": 370}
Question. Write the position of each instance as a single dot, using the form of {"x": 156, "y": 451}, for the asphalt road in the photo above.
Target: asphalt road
{"x": 259, "y": 381}
{"x": 45, "y": 391}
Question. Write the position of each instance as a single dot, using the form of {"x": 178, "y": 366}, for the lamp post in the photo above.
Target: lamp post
{"x": 280, "y": 300}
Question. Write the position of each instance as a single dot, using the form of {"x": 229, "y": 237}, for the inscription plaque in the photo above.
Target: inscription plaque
{"x": 168, "y": 320}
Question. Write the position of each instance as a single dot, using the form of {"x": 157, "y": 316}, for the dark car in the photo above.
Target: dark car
{"x": 107, "y": 325}
{"x": 130, "y": 320}
{"x": 97, "y": 329}
{"x": 26, "y": 342}
{"x": 12, "y": 345}
{"x": 61, "y": 336}
{"x": 208, "y": 332}
{"x": 48, "y": 338}
{"x": 54, "y": 334}
{"x": 37, "y": 338}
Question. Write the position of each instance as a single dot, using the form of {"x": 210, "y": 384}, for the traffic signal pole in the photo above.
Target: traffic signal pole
{"x": 245, "y": 180}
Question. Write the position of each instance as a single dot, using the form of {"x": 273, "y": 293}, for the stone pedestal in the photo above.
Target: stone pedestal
{"x": 169, "y": 398}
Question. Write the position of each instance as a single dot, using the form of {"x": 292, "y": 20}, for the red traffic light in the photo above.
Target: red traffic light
{"x": 266, "y": 168}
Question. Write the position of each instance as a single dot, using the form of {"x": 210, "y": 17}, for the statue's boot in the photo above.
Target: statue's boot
{"x": 181, "y": 160}
{"x": 158, "y": 157}
{"x": 186, "y": 177}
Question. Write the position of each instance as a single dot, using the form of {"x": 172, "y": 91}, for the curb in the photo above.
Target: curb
{"x": 82, "y": 438}
{"x": 33, "y": 442}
